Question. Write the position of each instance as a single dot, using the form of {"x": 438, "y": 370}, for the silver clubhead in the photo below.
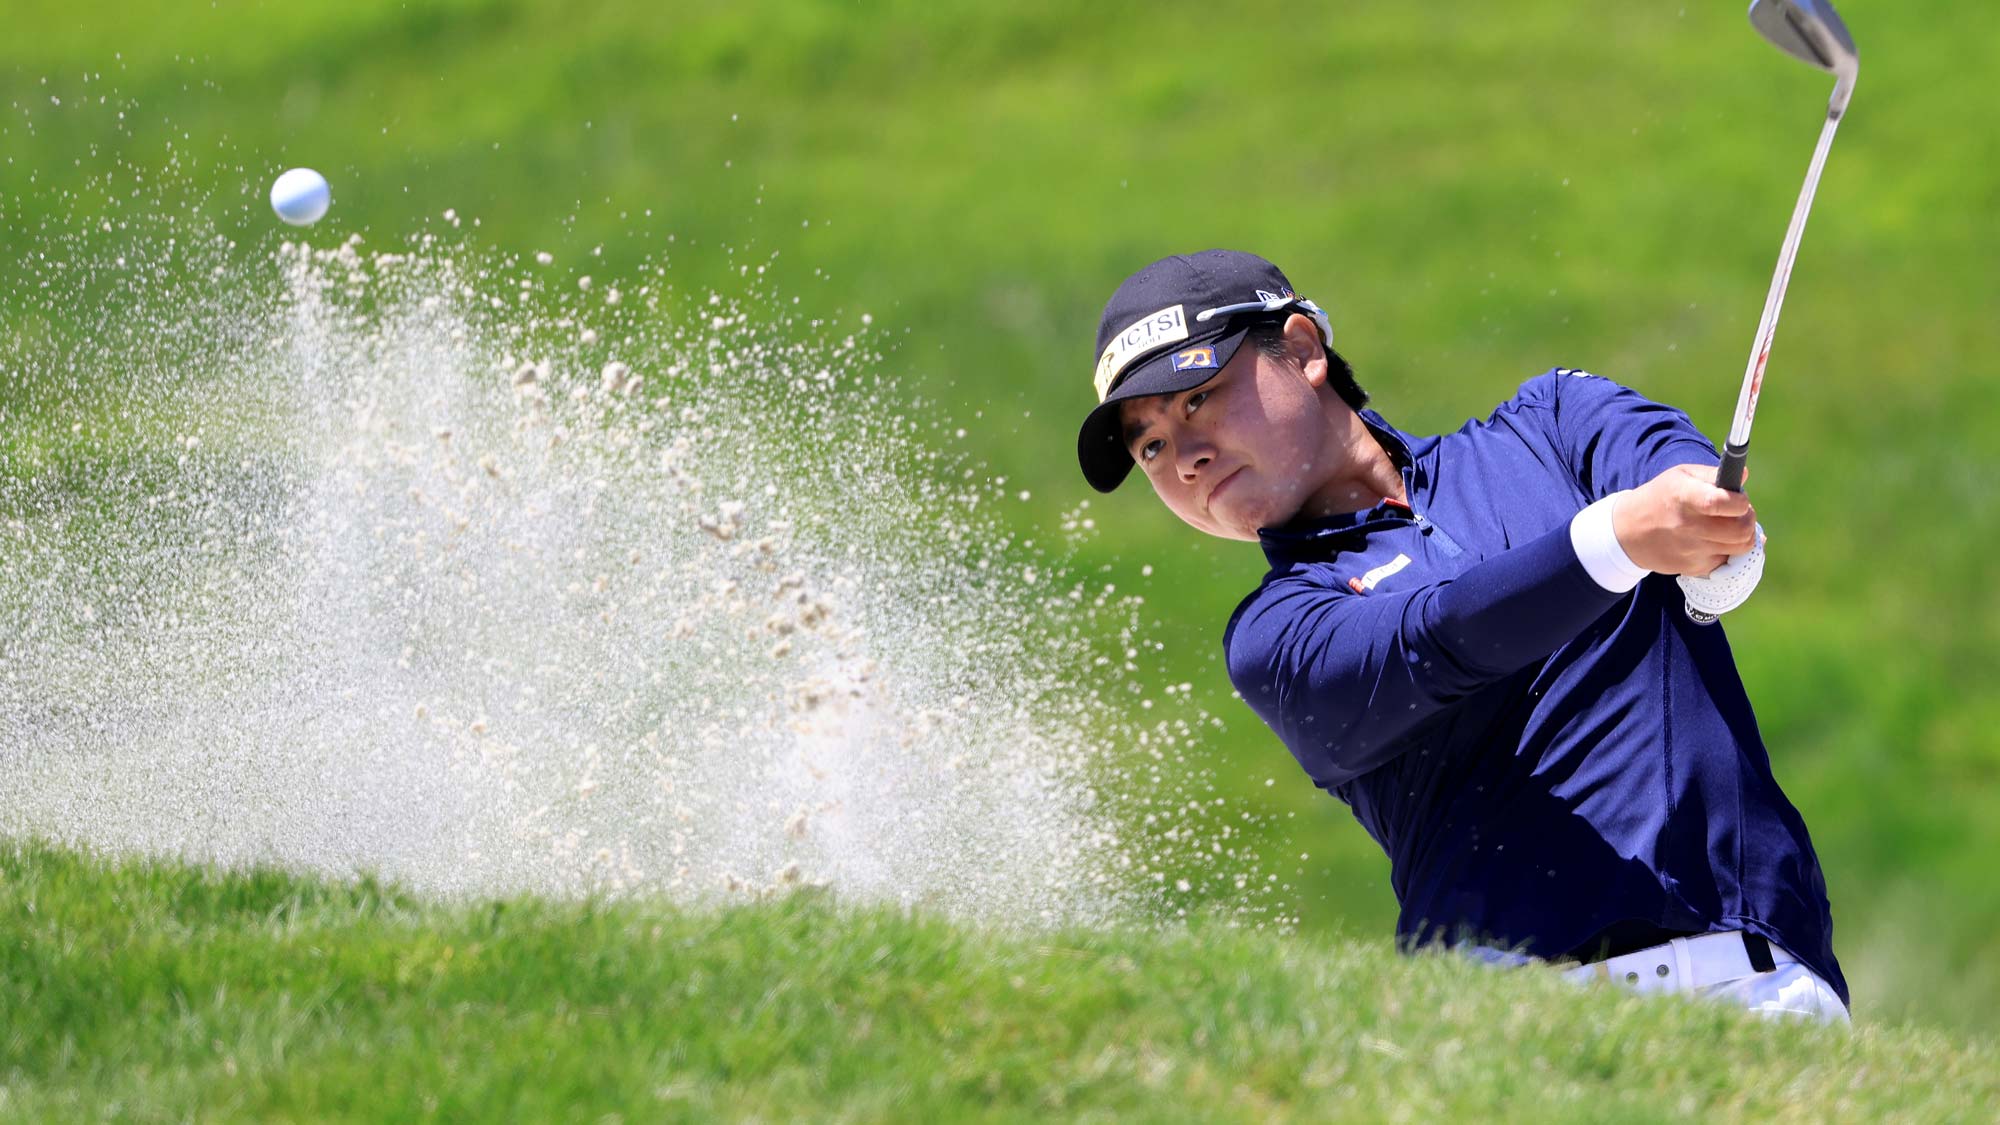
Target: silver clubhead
{"x": 1809, "y": 31}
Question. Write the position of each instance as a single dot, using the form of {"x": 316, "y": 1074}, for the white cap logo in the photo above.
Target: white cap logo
{"x": 1147, "y": 334}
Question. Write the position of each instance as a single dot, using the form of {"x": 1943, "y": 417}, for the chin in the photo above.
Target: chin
{"x": 1242, "y": 512}
{"x": 1260, "y": 511}
{"x": 1234, "y": 524}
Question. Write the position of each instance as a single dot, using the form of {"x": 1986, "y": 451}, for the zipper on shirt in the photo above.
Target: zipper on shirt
{"x": 1444, "y": 541}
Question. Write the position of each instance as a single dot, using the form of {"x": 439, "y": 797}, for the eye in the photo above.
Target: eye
{"x": 1195, "y": 400}
{"x": 1151, "y": 449}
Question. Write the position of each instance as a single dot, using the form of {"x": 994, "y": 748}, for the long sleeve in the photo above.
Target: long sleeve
{"x": 1341, "y": 678}
{"x": 1612, "y": 437}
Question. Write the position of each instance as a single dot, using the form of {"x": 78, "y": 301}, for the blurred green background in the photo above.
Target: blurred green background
{"x": 1477, "y": 192}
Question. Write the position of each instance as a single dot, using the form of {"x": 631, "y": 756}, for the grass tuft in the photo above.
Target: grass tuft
{"x": 157, "y": 990}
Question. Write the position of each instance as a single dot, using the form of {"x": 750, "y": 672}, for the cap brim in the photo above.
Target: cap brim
{"x": 1100, "y": 444}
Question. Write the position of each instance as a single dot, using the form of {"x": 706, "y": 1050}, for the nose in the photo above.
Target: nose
{"x": 1193, "y": 455}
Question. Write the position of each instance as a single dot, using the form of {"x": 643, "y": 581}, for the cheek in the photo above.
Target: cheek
{"x": 1295, "y": 436}
{"x": 1179, "y": 499}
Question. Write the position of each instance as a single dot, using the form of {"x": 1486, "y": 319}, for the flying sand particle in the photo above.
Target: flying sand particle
{"x": 828, "y": 649}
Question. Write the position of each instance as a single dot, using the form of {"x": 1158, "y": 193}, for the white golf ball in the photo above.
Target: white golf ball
{"x": 301, "y": 196}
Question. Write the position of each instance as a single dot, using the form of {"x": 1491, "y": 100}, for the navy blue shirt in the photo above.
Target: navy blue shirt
{"x": 1545, "y": 762}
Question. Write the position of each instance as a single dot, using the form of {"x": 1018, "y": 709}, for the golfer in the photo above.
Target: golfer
{"x": 1476, "y": 642}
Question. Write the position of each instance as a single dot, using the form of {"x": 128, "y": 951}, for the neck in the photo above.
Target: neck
{"x": 1371, "y": 476}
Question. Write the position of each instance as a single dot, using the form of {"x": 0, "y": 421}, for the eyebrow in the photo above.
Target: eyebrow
{"x": 1133, "y": 433}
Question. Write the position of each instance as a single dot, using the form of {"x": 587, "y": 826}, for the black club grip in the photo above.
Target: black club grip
{"x": 1729, "y": 474}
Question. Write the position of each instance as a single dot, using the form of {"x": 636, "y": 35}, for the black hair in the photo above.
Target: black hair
{"x": 1270, "y": 339}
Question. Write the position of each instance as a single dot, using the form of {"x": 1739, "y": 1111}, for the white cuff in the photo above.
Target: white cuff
{"x": 1597, "y": 547}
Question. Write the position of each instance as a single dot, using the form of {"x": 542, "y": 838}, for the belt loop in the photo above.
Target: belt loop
{"x": 1759, "y": 952}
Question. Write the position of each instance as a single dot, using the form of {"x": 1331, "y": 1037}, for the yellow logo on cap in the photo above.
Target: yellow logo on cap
{"x": 1194, "y": 358}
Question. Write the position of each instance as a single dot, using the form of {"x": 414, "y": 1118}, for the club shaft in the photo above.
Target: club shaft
{"x": 1736, "y": 452}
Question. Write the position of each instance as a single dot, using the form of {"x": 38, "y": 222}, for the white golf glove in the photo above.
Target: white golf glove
{"x": 1727, "y": 586}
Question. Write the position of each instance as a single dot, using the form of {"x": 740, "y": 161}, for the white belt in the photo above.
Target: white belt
{"x": 1680, "y": 965}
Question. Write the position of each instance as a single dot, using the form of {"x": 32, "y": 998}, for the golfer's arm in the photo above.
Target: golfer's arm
{"x": 1614, "y": 438}
{"x": 1510, "y": 610}
{"x": 1341, "y": 677}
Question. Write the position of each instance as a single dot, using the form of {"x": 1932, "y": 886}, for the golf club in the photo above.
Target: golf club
{"x": 1810, "y": 31}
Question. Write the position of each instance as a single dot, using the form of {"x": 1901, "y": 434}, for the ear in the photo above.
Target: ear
{"x": 1303, "y": 347}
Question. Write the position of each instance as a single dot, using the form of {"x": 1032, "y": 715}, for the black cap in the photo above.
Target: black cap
{"x": 1170, "y": 328}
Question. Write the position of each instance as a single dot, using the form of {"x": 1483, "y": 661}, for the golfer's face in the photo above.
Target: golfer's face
{"x": 1240, "y": 452}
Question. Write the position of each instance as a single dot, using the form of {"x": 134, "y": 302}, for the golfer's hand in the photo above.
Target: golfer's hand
{"x": 1725, "y": 587}
{"x": 1681, "y": 523}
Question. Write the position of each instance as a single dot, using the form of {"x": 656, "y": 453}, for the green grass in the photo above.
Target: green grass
{"x": 163, "y": 992}
{"x": 1477, "y": 192}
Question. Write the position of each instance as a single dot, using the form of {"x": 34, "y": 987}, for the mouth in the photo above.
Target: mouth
{"x": 1225, "y": 482}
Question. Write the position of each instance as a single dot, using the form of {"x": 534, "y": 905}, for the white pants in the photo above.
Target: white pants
{"x": 1711, "y": 966}
{"x": 1788, "y": 990}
